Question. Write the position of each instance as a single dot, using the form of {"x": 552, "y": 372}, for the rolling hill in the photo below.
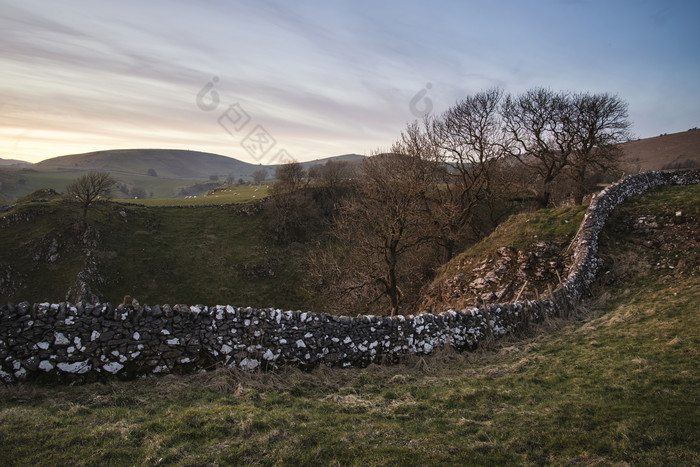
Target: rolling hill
{"x": 14, "y": 163}
{"x": 674, "y": 151}
{"x": 167, "y": 163}
{"x": 162, "y": 173}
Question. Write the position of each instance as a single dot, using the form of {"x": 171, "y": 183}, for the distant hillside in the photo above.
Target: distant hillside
{"x": 167, "y": 163}
{"x": 160, "y": 173}
{"x": 677, "y": 150}
{"x": 344, "y": 158}
{"x": 13, "y": 163}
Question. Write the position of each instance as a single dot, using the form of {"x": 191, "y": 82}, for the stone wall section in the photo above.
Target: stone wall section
{"x": 87, "y": 341}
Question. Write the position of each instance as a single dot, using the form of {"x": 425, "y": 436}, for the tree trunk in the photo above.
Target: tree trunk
{"x": 393, "y": 289}
{"x": 543, "y": 199}
{"x": 579, "y": 188}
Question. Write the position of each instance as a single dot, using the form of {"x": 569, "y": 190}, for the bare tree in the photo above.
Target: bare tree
{"x": 259, "y": 175}
{"x": 335, "y": 173}
{"x": 461, "y": 149}
{"x": 600, "y": 123}
{"x": 89, "y": 188}
{"x": 289, "y": 206}
{"x": 291, "y": 177}
{"x": 375, "y": 232}
{"x": 540, "y": 125}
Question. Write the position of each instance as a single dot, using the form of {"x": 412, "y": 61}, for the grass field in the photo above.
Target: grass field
{"x": 617, "y": 386}
{"x": 223, "y": 195}
{"x": 205, "y": 255}
{"x": 16, "y": 182}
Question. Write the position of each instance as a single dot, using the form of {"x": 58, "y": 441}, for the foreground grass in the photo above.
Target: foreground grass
{"x": 619, "y": 385}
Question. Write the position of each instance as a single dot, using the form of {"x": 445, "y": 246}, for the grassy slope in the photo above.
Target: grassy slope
{"x": 205, "y": 255}
{"x": 222, "y": 195}
{"x": 450, "y": 288}
{"x": 20, "y": 182}
{"x": 618, "y": 386}
{"x": 654, "y": 153}
{"x": 522, "y": 231}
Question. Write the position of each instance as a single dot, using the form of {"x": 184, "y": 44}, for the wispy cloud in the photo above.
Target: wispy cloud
{"x": 321, "y": 77}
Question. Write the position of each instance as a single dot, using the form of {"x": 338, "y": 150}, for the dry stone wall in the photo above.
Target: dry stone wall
{"x": 87, "y": 341}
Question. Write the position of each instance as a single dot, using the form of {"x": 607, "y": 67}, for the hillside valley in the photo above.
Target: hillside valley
{"x": 157, "y": 173}
{"x": 615, "y": 383}
{"x": 191, "y": 255}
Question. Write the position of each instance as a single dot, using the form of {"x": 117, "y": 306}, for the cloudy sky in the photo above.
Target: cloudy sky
{"x": 264, "y": 80}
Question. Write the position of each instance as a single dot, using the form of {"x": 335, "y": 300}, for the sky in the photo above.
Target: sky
{"x": 268, "y": 81}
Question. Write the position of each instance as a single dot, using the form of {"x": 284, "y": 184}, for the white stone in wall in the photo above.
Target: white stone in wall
{"x": 165, "y": 332}
{"x": 112, "y": 367}
{"x": 347, "y": 340}
{"x": 249, "y": 364}
{"x": 76, "y": 367}
{"x": 69, "y": 321}
{"x": 94, "y": 336}
{"x": 301, "y": 344}
{"x": 173, "y": 341}
{"x": 136, "y": 336}
{"x": 60, "y": 339}
{"x": 225, "y": 349}
{"x": 268, "y": 355}
{"x": 43, "y": 345}
{"x": 45, "y": 365}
